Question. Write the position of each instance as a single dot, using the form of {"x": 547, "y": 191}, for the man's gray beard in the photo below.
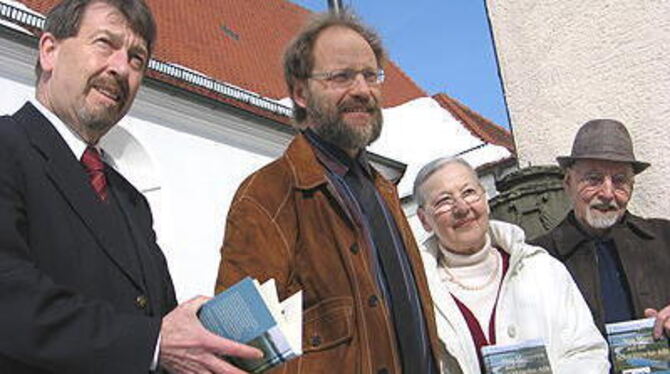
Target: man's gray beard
{"x": 96, "y": 123}
{"x": 99, "y": 119}
{"x": 599, "y": 220}
{"x": 331, "y": 128}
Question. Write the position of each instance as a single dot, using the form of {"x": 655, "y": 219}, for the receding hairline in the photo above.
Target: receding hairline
{"x": 355, "y": 37}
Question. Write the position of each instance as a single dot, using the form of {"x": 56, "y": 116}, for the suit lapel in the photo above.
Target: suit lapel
{"x": 67, "y": 174}
{"x": 128, "y": 204}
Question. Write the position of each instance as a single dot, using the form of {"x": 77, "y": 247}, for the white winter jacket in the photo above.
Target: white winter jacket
{"x": 538, "y": 299}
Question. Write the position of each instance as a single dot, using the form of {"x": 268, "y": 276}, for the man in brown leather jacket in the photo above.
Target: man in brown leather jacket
{"x": 619, "y": 261}
{"x": 322, "y": 220}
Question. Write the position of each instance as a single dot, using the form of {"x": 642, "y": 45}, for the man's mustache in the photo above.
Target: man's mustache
{"x": 115, "y": 85}
{"x": 600, "y": 205}
{"x": 358, "y": 105}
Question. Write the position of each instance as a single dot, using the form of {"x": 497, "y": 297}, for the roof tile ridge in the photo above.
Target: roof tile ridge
{"x": 467, "y": 116}
{"x": 474, "y": 113}
{"x": 452, "y": 106}
{"x": 297, "y": 7}
{"x": 409, "y": 79}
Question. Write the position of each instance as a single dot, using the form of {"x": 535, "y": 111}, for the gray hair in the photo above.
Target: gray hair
{"x": 430, "y": 169}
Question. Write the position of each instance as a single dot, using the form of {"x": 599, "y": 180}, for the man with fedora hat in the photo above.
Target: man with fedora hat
{"x": 619, "y": 261}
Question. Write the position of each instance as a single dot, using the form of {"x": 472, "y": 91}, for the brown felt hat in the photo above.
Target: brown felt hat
{"x": 603, "y": 139}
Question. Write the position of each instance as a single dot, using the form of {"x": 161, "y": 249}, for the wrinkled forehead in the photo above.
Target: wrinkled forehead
{"x": 602, "y": 166}
{"x": 102, "y": 15}
{"x": 342, "y": 47}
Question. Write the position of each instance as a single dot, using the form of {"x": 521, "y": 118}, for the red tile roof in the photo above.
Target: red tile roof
{"x": 475, "y": 123}
{"x": 239, "y": 42}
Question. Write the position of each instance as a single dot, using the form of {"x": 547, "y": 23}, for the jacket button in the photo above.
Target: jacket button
{"x": 316, "y": 341}
{"x": 141, "y": 301}
{"x": 373, "y": 301}
{"x": 354, "y": 248}
{"x": 511, "y": 331}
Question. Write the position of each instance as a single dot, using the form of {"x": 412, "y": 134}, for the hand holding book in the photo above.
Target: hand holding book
{"x": 662, "y": 323}
{"x": 634, "y": 349}
{"x": 251, "y": 313}
{"x": 186, "y": 346}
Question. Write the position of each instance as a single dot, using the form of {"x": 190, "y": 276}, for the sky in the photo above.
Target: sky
{"x": 443, "y": 45}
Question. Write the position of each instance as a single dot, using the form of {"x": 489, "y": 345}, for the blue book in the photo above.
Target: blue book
{"x": 251, "y": 313}
{"x": 634, "y": 350}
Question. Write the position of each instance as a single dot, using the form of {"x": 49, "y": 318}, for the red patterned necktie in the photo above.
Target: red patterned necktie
{"x": 95, "y": 169}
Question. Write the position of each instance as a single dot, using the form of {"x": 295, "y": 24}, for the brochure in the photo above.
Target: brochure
{"x": 634, "y": 350}
{"x": 251, "y": 313}
{"x": 527, "y": 357}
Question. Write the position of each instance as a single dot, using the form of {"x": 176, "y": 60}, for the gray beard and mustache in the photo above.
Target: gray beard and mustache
{"x": 602, "y": 220}
{"x": 99, "y": 120}
{"x": 331, "y": 127}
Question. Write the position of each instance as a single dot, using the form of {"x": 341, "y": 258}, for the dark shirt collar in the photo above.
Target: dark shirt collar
{"x": 334, "y": 158}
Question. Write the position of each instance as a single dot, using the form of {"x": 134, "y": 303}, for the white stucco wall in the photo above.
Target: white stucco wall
{"x": 565, "y": 62}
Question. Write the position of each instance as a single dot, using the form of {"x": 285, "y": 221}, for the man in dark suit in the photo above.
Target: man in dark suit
{"x": 83, "y": 286}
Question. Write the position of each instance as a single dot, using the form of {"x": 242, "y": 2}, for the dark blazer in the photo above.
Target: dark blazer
{"x": 72, "y": 299}
{"x": 643, "y": 246}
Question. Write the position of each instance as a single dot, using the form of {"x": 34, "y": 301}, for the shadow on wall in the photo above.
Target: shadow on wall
{"x": 129, "y": 157}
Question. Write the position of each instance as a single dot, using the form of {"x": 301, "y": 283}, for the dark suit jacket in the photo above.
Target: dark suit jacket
{"x": 72, "y": 300}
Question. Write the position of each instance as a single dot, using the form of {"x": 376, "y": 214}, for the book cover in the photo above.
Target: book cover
{"x": 634, "y": 350}
{"x": 252, "y": 314}
{"x": 527, "y": 357}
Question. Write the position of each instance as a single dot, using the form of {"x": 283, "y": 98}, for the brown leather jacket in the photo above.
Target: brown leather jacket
{"x": 287, "y": 222}
{"x": 644, "y": 249}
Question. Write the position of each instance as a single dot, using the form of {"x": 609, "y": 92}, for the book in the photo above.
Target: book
{"x": 634, "y": 350}
{"x": 527, "y": 357}
{"x": 250, "y": 313}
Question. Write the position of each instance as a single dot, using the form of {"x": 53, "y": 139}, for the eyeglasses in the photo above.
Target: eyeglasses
{"x": 447, "y": 203}
{"x": 346, "y": 77}
{"x": 596, "y": 179}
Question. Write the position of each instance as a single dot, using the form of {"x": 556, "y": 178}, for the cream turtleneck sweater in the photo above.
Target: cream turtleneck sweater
{"x": 470, "y": 278}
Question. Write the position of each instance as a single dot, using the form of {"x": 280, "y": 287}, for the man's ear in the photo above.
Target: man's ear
{"x": 299, "y": 94}
{"x": 48, "y": 52}
{"x": 566, "y": 179}
{"x": 424, "y": 220}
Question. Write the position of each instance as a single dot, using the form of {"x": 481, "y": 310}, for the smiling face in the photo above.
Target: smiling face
{"x": 600, "y": 191}
{"x": 350, "y": 116}
{"x": 459, "y": 226}
{"x": 90, "y": 80}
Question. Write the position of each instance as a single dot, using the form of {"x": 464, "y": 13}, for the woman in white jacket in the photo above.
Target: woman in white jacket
{"x": 489, "y": 287}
